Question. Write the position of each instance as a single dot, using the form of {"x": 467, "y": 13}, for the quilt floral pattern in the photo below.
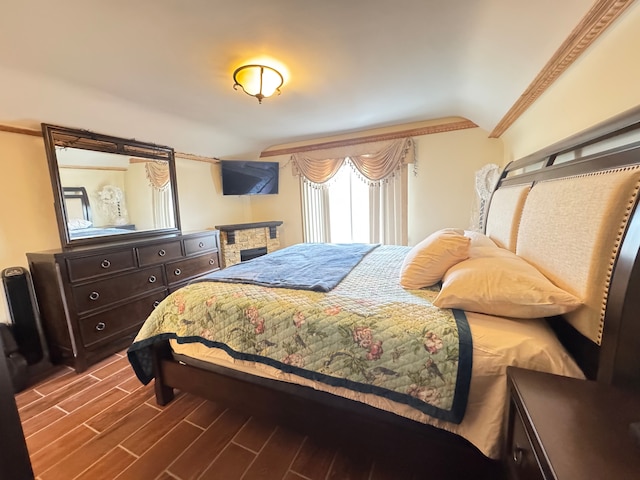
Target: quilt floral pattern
{"x": 367, "y": 334}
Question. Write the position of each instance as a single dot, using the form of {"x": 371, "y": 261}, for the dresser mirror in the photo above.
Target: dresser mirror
{"x": 108, "y": 189}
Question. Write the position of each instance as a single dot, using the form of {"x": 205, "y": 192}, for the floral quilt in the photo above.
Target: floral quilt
{"x": 367, "y": 334}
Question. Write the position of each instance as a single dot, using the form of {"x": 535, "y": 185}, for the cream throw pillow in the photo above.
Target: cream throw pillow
{"x": 480, "y": 244}
{"x": 427, "y": 262}
{"x": 501, "y": 283}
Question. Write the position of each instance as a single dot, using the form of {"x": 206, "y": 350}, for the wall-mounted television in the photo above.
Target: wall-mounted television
{"x": 249, "y": 178}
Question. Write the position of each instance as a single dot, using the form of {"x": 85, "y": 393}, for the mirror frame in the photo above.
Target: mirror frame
{"x": 83, "y": 139}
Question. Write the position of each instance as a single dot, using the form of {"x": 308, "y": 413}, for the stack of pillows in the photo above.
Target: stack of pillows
{"x": 478, "y": 276}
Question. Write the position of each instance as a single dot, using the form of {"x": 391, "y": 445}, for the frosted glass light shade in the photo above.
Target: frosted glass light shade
{"x": 259, "y": 81}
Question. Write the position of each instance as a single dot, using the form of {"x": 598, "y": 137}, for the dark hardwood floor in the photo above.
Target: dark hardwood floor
{"x": 103, "y": 424}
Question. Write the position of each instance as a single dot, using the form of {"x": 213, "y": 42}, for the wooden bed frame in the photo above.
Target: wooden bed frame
{"x": 445, "y": 455}
{"x": 79, "y": 193}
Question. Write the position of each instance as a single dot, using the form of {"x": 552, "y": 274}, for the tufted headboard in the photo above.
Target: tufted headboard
{"x": 571, "y": 211}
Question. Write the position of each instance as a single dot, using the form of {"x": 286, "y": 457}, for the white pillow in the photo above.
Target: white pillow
{"x": 426, "y": 263}
{"x": 78, "y": 223}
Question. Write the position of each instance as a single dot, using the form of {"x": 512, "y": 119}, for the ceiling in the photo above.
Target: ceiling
{"x": 349, "y": 65}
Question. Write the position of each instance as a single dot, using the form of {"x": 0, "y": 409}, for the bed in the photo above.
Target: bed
{"x": 569, "y": 211}
{"x": 79, "y": 223}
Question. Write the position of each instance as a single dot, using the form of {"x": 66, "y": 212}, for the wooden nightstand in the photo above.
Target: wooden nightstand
{"x": 564, "y": 428}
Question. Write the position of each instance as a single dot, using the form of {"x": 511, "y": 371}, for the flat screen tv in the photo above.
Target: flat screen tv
{"x": 249, "y": 178}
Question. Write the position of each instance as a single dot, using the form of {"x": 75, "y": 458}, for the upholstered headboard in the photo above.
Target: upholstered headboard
{"x": 503, "y": 218}
{"x": 571, "y": 230}
{"x": 575, "y": 221}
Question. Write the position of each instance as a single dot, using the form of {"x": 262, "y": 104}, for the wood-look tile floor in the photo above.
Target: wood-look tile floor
{"x": 103, "y": 424}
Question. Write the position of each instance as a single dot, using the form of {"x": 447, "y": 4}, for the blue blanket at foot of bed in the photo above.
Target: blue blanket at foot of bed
{"x": 306, "y": 266}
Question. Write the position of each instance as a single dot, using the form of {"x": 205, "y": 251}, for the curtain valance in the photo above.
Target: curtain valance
{"x": 158, "y": 174}
{"x": 375, "y": 161}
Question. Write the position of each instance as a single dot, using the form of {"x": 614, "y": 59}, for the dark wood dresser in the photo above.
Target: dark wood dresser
{"x": 564, "y": 428}
{"x": 93, "y": 300}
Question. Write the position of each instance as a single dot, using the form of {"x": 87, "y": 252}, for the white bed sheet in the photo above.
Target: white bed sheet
{"x": 497, "y": 343}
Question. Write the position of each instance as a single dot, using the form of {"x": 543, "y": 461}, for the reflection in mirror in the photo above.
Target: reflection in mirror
{"x": 104, "y": 194}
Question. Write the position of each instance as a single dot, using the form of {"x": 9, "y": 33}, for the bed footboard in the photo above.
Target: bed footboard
{"x": 326, "y": 417}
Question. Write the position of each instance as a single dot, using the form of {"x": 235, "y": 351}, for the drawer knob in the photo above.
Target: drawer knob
{"x": 105, "y": 263}
{"x": 101, "y": 326}
{"x": 152, "y": 279}
{"x": 94, "y": 296}
{"x": 212, "y": 261}
{"x": 162, "y": 253}
{"x": 177, "y": 272}
{"x": 518, "y": 454}
{"x": 156, "y": 303}
{"x": 201, "y": 244}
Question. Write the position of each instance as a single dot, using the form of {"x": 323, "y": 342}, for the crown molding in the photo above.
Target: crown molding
{"x": 38, "y": 133}
{"x": 20, "y": 130}
{"x": 197, "y": 158}
{"x": 412, "y": 132}
{"x": 601, "y": 15}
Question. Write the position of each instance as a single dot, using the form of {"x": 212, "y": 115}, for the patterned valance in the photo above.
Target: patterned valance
{"x": 158, "y": 174}
{"x": 375, "y": 161}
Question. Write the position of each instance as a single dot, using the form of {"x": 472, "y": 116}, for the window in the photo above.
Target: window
{"x": 350, "y": 209}
{"x": 357, "y": 192}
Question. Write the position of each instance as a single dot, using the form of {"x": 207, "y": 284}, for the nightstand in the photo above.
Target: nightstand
{"x": 563, "y": 428}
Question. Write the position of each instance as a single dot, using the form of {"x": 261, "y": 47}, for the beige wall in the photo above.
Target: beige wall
{"x": 602, "y": 83}
{"x": 442, "y": 193}
{"x": 202, "y": 204}
{"x": 27, "y": 217}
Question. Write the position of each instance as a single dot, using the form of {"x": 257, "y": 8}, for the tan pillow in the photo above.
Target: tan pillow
{"x": 480, "y": 244}
{"x": 503, "y": 284}
{"x": 426, "y": 263}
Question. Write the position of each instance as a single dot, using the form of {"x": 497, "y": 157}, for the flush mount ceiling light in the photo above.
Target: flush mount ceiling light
{"x": 259, "y": 81}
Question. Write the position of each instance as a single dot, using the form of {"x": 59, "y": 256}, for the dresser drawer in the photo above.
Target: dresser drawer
{"x": 191, "y": 267}
{"x": 197, "y": 245}
{"x": 159, "y": 253}
{"x": 520, "y": 457}
{"x": 114, "y": 323}
{"x": 81, "y": 268}
{"x": 110, "y": 290}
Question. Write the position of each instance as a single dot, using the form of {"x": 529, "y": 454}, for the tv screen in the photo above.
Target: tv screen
{"x": 249, "y": 178}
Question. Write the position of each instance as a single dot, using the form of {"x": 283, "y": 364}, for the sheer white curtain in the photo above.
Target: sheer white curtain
{"x": 163, "y": 215}
{"x": 388, "y": 210}
{"x": 315, "y": 212}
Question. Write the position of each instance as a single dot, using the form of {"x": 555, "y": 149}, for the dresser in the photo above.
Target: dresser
{"x": 93, "y": 300}
{"x": 565, "y": 429}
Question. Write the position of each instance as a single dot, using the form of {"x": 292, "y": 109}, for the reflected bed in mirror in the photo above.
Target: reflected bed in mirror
{"x": 110, "y": 188}
{"x": 80, "y": 223}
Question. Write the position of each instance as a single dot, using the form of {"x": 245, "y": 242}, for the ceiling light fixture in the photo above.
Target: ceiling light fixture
{"x": 259, "y": 81}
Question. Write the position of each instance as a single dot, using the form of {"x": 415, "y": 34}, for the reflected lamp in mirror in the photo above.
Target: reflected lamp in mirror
{"x": 106, "y": 188}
